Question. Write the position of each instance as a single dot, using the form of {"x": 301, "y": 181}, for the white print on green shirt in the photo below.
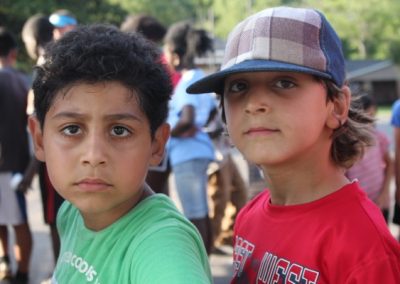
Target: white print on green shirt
{"x": 81, "y": 265}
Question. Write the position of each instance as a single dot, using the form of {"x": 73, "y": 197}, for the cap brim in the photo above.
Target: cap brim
{"x": 215, "y": 82}
{"x": 60, "y": 21}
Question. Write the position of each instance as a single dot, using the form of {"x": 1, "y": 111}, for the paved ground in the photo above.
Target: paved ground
{"x": 42, "y": 261}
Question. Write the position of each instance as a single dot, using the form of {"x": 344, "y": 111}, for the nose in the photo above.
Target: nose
{"x": 94, "y": 152}
{"x": 257, "y": 101}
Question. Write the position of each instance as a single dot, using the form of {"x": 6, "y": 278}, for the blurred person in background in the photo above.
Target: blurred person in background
{"x": 37, "y": 32}
{"x": 190, "y": 148}
{"x": 374, "y": 170}
{"x": 153, "y": 30}
{"x": 226, "y": 188}
{"x": 63, "y": 21}
{"x": 14, "y": 160}
{"x": 395, "y": 122}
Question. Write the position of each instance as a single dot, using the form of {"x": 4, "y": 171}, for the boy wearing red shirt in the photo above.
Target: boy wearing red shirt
{"x": 288, "y": 110}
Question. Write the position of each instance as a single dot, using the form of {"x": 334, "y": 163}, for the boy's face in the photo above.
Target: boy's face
{"x": 278, "y": 117}
{"x": 97, "y": 145}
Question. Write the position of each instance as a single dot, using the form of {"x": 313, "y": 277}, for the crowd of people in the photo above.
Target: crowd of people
{"x": 113, "y": 115}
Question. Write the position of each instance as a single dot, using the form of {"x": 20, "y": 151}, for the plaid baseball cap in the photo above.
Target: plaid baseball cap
{"x": 279, "y": 39}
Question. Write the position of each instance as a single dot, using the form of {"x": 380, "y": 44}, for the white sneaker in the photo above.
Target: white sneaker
{"x": 5, "y": 270}
{"x": 46, "y": 281}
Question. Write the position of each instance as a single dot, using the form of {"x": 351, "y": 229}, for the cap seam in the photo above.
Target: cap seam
{"x": 322, "y": 44}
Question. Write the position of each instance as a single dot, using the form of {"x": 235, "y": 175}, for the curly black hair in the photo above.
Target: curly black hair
{"x": 102, "y": 53}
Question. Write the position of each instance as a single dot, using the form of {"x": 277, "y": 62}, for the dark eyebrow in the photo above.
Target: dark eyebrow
{"x": 110, "y": 117}
{"x": 67, "y": 114}
{"x": 123, "y": 116}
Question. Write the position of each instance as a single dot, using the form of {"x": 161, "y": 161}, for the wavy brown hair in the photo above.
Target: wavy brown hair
{"x": 351, "y": 138}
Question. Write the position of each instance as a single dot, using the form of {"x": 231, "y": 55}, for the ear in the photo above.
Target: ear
{"x": 13, "y": 55}
{"x": 161, "y": 137}
{"x": 176, "y": 61}
{"x": 37, "y": 137}
{"x": 339, "y": 109}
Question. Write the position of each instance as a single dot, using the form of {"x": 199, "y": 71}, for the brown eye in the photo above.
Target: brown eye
{"x": 237, "y": 86}
{"x": 71, "y": 130}
{"x": 285, "y": 84}
{"x": 120, "y": 131}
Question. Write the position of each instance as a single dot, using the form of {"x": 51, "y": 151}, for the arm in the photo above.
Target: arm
{"x": 214, "y": 126}
{"x": 28, "y": 175}
{"x": 397, "y": 163}
{"x": 186, "y": 125}
{"x": 384, "y": 196}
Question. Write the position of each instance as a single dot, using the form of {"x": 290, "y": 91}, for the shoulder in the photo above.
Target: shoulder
{"x": 65, "y": 209}
{"x": 169, "y": 248}
{"x": 382, "y": 137}
{"x": 350, "y": 227}
{"x": 66, "y": 215}
{"x": 365, "y": 228}
{"x": 13, "y": 79}
{"x": 13, "y": 74}
{"x": 159, "y": 216}
{"x": 396, "y": 105}
{"x": 395, "y": 120}
{"x": 6, "y": 76}
{"x": 156, "y": 216}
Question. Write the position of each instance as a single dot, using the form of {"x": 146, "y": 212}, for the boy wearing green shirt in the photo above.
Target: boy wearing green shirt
{"x": 101, "y": 100}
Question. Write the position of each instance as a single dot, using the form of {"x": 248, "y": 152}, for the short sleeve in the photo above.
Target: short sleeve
{"x": 171, "y": 255}
{"x": 395, "y": 120}
{"x": 380, "y": 270}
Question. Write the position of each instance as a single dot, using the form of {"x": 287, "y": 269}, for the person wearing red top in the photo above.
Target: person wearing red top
{"x": 288, "y": 109}
{"x": 299, "y": 241}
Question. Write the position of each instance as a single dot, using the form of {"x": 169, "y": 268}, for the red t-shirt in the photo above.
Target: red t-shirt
{"x": 341, "y": 238}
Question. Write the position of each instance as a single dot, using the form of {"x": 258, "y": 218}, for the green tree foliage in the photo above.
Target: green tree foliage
{"x": 14, "y": 13}
{"x": 370, "y": 29}
{"x": 166, "y": 12}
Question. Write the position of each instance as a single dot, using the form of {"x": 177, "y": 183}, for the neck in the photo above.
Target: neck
{"x": 304, "y": 183}
{"x": 100, "y": 220}
{"x": 183, "y": 71}
{"x": 5, "y": 62}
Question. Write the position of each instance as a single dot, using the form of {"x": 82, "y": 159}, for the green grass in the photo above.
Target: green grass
{"x": 384, "y": 110}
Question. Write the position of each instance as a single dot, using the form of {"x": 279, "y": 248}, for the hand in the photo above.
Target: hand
{"x": 383, "y": 200}
{"x": 397, "y": 195}
{"x": 189, "y": 133}
{"x": 24, "y": 185}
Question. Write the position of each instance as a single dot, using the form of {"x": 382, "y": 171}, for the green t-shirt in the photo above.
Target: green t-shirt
{"x": 153, "y": 243}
